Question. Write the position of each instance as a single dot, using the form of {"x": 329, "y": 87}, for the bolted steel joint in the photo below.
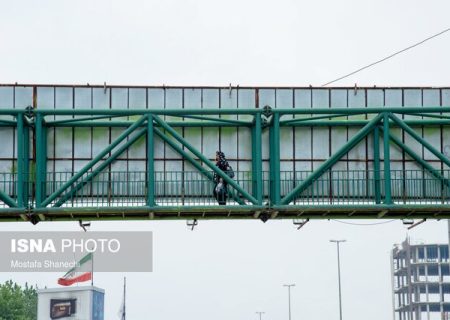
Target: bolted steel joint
{"x": 29, "y": 112}
{"x": 267, "y": 111}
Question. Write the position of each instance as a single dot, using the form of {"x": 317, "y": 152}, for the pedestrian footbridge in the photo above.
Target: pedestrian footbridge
{"x": 118, "y": 153}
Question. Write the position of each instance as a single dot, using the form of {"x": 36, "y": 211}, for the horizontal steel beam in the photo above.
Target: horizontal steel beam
{"x": 368, "y": 110}
{"x": 12, "y": 112}
{"x": 93, "y": 120}
{"x": 361, "y": 123}
{"x": 123, "y": 124}
{"x": 238, "y": 111}
{"x": 319, "y": 212}
{"x": 214, "y": 124}
{"x": 7, "y": 122}
{"x": 135, "y": 112}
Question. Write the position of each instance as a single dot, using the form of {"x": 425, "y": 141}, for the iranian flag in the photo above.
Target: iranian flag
{"x": 80, "y": 273}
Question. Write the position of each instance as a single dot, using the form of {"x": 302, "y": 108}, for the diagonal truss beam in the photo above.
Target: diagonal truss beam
{"x": 94, "y": 161}
{"x": 230, "y": 121}
{"x": 290, "y": 121}
{"x": 100, "y": 168}
{"x": 419, "y": 139}
{"x": 75, "y": 120}
{"x": 183, "y": 153}
{"x": 419, "y": 160}
{"x": 7, "y": 200}
{"x": 191, "y": 160}
{"x": 332, "y": 161}
{"x": 208, "y": 162}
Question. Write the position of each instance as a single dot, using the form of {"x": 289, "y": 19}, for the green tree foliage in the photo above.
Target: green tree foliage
{"x": 16, "y": 302}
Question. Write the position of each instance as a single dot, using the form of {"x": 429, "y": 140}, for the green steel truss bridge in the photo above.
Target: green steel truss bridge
{"x": 124, "y": 153}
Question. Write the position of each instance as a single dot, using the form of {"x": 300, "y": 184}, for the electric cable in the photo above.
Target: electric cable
{"x": 386, "y": 58}
{"x": 364, "y": 224}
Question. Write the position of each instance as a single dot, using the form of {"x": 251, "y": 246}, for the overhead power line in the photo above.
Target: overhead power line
{"x": 386, "y": 58}
{"x": 364, "y": 224}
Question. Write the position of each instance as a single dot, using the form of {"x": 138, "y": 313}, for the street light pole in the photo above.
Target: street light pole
{"x": 289, "y": 296}
{"x": 260, "y": 314}
{"x": 339, "y": 275}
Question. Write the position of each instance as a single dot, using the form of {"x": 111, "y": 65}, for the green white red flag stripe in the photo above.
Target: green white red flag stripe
{"x": 80, "y": 273}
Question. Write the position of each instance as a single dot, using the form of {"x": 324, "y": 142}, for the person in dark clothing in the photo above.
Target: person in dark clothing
{"x": 220, "y": 188}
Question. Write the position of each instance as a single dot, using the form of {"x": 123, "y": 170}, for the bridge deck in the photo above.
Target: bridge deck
{"x": 351, "y": 211}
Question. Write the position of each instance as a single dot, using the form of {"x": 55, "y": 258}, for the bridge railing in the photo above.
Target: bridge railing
{"x": 333, "y": 187}
{"x": 8, "y": 182}
{"x": 192, "y": 188}
{"x": 366, "y": 187}
{"x": 129, "y": 188}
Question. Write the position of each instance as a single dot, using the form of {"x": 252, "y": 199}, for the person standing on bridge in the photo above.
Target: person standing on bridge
{"x": 220, "y": 188}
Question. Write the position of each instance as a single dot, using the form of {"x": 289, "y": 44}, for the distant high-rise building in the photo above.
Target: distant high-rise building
{"x": 421, "y": 281}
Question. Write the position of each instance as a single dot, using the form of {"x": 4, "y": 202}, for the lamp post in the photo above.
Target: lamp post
{"x": 339, "y": 275}
{"x": 260, "y": 314}
{"x": 289, "y": 296}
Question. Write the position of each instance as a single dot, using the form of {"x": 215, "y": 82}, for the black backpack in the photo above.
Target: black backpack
{"x": 230, "y": 172}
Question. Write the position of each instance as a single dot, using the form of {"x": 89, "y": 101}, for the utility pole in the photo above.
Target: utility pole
{"x": 289, "y": 296}
{"x": 122, "y": 310}
{"x": 260, "y": 314}
{"x": 339, "y": 275}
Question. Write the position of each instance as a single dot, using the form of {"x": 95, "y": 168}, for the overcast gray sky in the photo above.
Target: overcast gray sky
{"x": 229, "y": 270}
